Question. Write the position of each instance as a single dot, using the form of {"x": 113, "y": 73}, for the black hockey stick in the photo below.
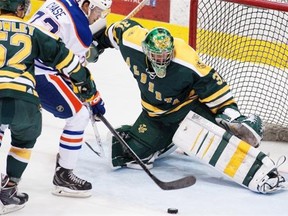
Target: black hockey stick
{"x": 173, "y": 185}
{"x": 100, "y": 151}
{"x": 92, "y": 149}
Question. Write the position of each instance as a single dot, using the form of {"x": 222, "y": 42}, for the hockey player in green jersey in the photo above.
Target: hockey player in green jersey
{"x": 173, "y": 82}
{"x": 20, "y": 44}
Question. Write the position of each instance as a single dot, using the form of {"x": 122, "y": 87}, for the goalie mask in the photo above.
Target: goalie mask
{"x": 96, "y": 5}
{"x": 14, "y": 5}
{"x": 158, "y": 46}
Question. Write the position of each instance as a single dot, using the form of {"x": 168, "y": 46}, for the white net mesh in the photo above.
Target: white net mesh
{"x": 248, "y": 46}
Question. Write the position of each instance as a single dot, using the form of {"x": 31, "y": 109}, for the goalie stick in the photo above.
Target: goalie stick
{"x": 173, "y": 185}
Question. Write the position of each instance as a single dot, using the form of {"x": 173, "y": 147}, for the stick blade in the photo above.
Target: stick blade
{"x": 177, "y": 184}
{"x": 98, "y": 150}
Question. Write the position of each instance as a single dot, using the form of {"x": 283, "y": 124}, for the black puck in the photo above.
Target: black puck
{"x": 172, "y": 210}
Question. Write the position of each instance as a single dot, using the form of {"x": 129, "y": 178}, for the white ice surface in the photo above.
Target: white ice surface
{"x": 132, "y": 192}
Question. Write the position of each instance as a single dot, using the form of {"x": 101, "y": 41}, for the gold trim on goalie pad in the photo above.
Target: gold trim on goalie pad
{"x": 237, "y": 159}
{"x": 230, "y": 155}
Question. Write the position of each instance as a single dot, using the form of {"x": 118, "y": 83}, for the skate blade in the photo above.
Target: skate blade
{"x": 5, "y": 209}
{"x": 66, "y": 192}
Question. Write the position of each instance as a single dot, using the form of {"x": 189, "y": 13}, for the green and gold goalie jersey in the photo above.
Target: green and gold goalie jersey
{"x": 20, "y": 44}
{"x": 187, "y": 78}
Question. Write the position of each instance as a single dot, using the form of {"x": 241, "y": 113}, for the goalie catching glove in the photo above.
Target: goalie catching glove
{"x": 249, "y": 129}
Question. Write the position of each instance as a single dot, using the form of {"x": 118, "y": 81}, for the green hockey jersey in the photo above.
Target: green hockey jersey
{"x": 187, "y": 78}
{"x": 20, "y": 44}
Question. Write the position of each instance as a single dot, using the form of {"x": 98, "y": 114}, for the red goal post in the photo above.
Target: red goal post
{"x": 246, "y": 41}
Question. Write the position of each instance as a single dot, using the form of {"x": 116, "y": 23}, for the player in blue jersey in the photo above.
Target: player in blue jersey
{"x": 71, "y": 21}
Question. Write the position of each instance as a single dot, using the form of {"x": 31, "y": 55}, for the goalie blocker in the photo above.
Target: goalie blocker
{"x": 230, "y": 155}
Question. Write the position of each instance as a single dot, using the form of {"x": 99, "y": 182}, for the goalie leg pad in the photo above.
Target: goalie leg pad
{"x": 233, "y": 157}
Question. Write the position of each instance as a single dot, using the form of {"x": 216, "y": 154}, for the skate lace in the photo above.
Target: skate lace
{"x": 75, "y": 178}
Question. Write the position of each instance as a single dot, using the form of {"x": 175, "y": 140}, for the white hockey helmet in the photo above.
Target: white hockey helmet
{"x": 104, "y": 5}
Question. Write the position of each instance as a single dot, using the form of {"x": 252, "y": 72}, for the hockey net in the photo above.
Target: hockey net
{"x": 246, "y": 41}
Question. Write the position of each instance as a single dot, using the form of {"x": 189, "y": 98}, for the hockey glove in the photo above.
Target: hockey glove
{"x": 249, "y": 129}
{"x": 93, "y": 53}
{"x": 85, "y": 89}
{"x": 97, "y": 106}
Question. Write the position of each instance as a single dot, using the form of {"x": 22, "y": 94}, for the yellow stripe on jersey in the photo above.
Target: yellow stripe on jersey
{"x": 237, "y": 159}
{"x": 216, "y": 94}
{"x": 229, "y": 102}
{"x": 21, "y": 67}
{"x": 134, "y": 36}
{"x": 15, "y": 75}
{"x": 17, "y": 87}
{"x": 180, "y": 106}
{"x": 21, "y": 154}
{"x": 115, "y": 25}
{"x": 76, "y": 69}
{"x": 187, "y": 56}
{"x": 9, "y": 74}
{"x": 154, "y": 111}
{"x": 66, "y": 61}
{"x": 29, "y": 76}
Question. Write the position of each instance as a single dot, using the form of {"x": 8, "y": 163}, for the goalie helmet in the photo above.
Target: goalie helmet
{"x": 158, "y": 46}
{"x": 104, "y": 5}
{"x": 13, "y": 5}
